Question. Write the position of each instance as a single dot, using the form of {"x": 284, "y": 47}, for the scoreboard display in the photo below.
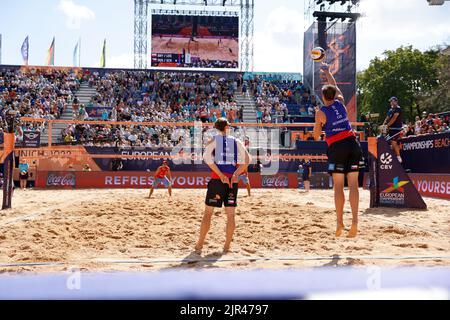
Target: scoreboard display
{"x": 159, "y": 59}
{"x": 192, "y": 41}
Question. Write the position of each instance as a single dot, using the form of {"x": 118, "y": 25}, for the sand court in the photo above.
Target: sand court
{"x": 123, "y": 230}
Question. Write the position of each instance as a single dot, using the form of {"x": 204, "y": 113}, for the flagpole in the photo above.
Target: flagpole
{"x": 28, "y": 48}
{"x": 103, "y": 54}
{"x": 0, "y": 48}
{"x": 79, "y": 52}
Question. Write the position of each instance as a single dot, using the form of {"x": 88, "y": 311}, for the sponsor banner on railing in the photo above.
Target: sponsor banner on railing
{"x": 426, "y": 154}
{"x": 180, "y": 180}
{"x": 77, "y": 156}
{"x": 31, "y": 139}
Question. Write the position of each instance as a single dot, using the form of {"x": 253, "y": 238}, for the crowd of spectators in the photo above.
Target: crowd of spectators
{"x": 37, "y": 93}
{"x": 273, "y": 98}
{"x": 428, "y": 124}
{"x": 153, "y": 97}
{"x": 159, "y": 97}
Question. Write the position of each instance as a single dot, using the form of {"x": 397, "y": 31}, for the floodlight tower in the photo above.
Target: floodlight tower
{"x": 140, "y": 33}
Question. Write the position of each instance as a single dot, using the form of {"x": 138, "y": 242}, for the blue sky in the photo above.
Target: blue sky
{"x": 279, "y": 29}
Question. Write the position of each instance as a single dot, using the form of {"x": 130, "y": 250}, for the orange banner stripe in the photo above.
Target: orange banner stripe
{"x": 177, "y": 124}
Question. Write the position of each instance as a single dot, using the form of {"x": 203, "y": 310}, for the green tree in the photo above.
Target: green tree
{"x": 438, "y": 100}
{"x": 406, "y": 73}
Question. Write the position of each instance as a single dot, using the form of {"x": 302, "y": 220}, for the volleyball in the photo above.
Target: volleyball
{"x": 318, "y": 54}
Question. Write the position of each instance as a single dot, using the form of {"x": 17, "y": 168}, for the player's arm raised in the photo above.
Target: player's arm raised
{"x": 330, "y": 78}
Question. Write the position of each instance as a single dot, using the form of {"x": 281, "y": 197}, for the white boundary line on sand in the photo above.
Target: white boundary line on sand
{"x": 192, "y": 260}
{"x": 437, "y": 232}
{"x": 25, "y": 217}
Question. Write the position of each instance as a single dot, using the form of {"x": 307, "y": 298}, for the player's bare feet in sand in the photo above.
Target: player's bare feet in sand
{"x": 198, "y": 249}
{"x": 353, "y": 231}
{"x": 226, "y": 248}
{"x": 339, "y": 230}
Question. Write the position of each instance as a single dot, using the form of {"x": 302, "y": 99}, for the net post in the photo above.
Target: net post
{"x": 11, "y": 121}
{"x": 50, "y": 136}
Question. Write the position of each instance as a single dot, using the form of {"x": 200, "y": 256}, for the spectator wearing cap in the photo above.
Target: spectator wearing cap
{"x": 394, "y": 123}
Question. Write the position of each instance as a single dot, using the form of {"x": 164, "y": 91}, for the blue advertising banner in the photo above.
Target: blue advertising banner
{"x": 195, "y": 164}
{"x": 31, "y": 139}
{"x": 426, "y": 154}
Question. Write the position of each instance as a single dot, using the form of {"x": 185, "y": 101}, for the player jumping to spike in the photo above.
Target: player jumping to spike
{"x": 344, "y": 151}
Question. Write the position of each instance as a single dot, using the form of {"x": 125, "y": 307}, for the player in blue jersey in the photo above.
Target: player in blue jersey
{"x": 228, "y": 159}
{"x": 344, "y": 151}
{"x": 394, "y": 123}
{"x": 307, "y": 172}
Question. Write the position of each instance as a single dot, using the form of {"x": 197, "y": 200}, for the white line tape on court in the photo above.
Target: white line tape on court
{"x": 26, "y": 217}
{"x": 220, "y": 260}
{"x": 438, "y": 232}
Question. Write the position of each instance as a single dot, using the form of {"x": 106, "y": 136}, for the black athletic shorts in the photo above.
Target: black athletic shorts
{"x": 23, "y": 176}
{"x": 344, "y": 156}
{"x": 220, "y": 194}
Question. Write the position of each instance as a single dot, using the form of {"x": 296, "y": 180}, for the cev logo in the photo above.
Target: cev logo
{"x": 386, "y": 160}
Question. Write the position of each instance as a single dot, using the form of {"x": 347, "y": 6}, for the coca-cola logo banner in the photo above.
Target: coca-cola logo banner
{"x": 182, "y": 180}
{"x": 61, "y": 179}
{"x": 281, "y": 181}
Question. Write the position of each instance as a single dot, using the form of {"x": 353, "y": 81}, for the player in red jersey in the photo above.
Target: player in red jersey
{"x": 164, "y": 176}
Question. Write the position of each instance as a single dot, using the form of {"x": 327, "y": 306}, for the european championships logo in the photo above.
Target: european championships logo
{"x": 396, "y": 185}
